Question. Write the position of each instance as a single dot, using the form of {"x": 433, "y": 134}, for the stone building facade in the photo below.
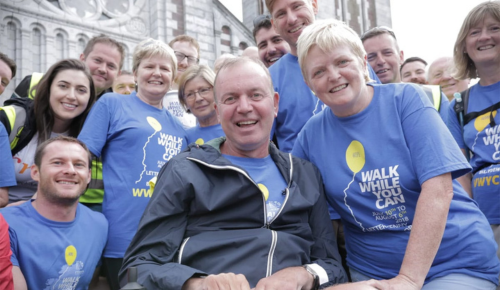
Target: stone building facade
{"x": 37, "y": 33}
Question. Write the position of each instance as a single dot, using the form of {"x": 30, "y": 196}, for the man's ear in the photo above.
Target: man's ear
{"x": 82, "y": 57}
{"x": 35, "y": 173}
{"x": 314, "y": 4}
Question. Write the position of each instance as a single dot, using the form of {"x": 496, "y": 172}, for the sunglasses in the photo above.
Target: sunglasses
{"x": 257, "y": 20}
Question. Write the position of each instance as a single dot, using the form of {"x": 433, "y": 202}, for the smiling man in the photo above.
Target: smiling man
{"x": 187, "y": 51}
{"x": 8, "y": 70}
{"x": 102, "y": 55}
{"x": 270, "y": 44}
{"x": 56, "y": 242}
{"x": 383, "y": 53}
{"x": 440, "y": 74}
{"x": 413, "y": 71}
{"x": 271, "y": 222}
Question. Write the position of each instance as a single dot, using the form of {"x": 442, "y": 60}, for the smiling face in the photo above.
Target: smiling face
{"x": 271, "y": 46}
{"x": 337, "y": 78}
{"x": 187, "y": 50}
{"x": 124, "y": 84}
{"x": 384, "y": 57}
{"x": 414, "y": 72}
{"x": 290, "y": 17}
{"x": 103, "y": 62}
{"x": 153, "y": 77}
{"x": 5, "y": 76}
{"x": 440, "y": 74}
{"x": 482, "y": 43}
{"x": 199, "y": 98}
{"x": 63, "y": 174}
{"x": 246, "y": 109}
{"x": 69, "y": 96}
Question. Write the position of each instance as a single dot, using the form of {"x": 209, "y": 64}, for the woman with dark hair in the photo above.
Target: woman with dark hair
{"x": 63, "y": 99}
{"x": 476, "y": 128}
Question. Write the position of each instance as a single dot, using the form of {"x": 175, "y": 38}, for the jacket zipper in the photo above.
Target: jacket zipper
{"x": 274, "y": 241}
{"x": 287, "y": 191}
{"x": 266, "y": 224}
{"x": 181, "y": 250}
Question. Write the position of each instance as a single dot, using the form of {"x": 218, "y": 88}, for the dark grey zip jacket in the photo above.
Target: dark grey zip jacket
{"x": 207, "y": 216}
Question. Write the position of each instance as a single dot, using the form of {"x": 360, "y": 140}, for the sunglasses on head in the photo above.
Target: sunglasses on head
{"x": 257, "y": 20}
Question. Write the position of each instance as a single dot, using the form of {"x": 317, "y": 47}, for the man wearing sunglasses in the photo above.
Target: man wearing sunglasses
{"x": 271, "y": 45}
{"x": 187, "y": 51}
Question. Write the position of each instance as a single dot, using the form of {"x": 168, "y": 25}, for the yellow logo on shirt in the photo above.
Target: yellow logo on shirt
{"x": 70, "y": 255}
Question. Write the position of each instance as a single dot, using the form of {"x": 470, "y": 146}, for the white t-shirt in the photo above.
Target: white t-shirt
{"x": 23, "y": 161}
{"x": 172, "y": 104}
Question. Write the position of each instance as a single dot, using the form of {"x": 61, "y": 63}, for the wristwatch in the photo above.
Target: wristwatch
{"x": 315, "y": 276}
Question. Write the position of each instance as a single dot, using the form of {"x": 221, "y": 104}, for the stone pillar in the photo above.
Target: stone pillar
{"x": 26, "y": 66}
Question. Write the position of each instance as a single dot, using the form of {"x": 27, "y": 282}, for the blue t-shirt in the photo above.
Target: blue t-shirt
{"x": 443, "y": 108}
{"x": 135, "y": 140}
{"x": 484, "y": 142}
{"x": 56, "y": 255}
{"x": 7, "y": 175}
{"x": 297, "y": 102}
{"x": 373, "y": 164}
{"x": 268, "y": 178}
{"x": 201, "y": 135}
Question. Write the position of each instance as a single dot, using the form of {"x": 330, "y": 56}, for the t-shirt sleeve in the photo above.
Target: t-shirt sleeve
{"x": 5, "y": 257}
{"x": 454, "y": 126}
{"x": 432, "y": 149}
{"x": 7, "y": 175}
{"x": 95, "y": 130}
{"x": 443, "y": 108}
{"x": 298, "y": 148}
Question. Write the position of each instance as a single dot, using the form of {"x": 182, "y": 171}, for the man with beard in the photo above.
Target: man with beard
{"x": 55, "y": 241}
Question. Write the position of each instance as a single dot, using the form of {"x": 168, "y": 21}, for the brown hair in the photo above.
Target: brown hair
{"x": 192, "y": 72}
{"x": 10, "y": 63}
{"x": 40, "y": 150}
{"x": 464, "y": 65}
{"x": 186, "y": 38}
{"x": 104, "y": 40}
{"x": 44, "y": 115}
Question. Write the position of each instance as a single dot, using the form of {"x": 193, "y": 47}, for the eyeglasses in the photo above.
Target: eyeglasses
{"x": 203, "y": 92}
{"x": 257, "y": 20}
{"x": 190, "y": 59}
{"x": 377, "y": 31}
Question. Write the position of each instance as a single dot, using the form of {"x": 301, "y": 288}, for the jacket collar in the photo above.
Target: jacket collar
{"x": 210, "y": 153}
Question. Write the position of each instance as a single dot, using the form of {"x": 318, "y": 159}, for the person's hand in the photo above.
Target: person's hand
{"x": 401, "y": 282}
{"x": 292, "y": 278}
{"x": 362, "y": 285}
{"x": 225, "y": 281}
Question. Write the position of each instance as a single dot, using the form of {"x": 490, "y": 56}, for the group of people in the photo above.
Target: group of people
{"x": 170, "y": 169}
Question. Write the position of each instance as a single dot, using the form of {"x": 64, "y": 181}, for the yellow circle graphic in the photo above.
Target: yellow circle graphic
{"x": 200, "y": 141}
{"x": 264, "y": 190}
{"x": 154, "y": 123}
{"x": 482, "y": 121}
{"x": 355, "y": 156}
{"x": 70, "y": 255}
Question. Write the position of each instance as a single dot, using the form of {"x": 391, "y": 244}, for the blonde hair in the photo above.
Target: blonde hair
{"x": 191, "y": 73}
{"x": 464, "y": 66}
{"x": 329, "y": 34}
{"x": 152, "y": 47}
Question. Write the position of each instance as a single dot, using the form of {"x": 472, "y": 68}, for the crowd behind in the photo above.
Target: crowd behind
{"x": 318, "y": 159}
